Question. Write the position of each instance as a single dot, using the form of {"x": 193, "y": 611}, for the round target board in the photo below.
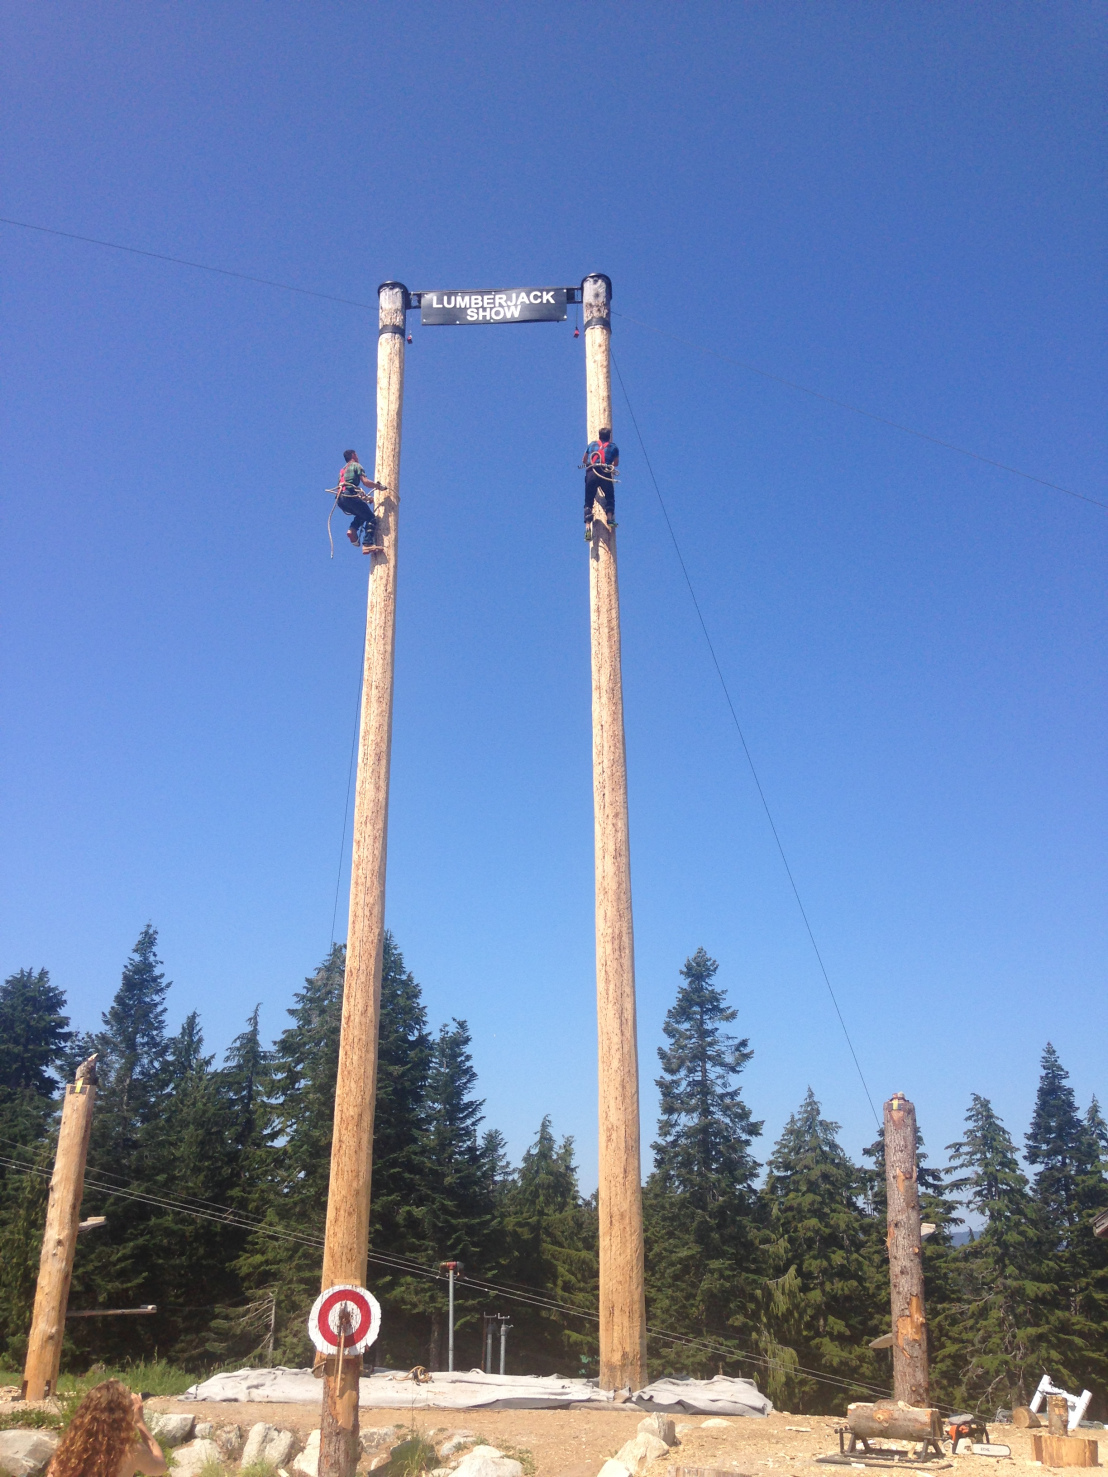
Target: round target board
{"x": 344, "y": 1304}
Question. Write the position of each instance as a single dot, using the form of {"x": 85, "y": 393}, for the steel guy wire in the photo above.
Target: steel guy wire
{"x": 650, "y": 327}
{"x": 872, "y": 415}
{"x": 745, "y": 746}
{"x": 180, "y": 261}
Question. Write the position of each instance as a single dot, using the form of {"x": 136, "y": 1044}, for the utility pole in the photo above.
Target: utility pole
{"x": 909, "y": 1346}
{"x": 346, "y": 1244}
{"x": 452, "y": 1270}
{"x": 622, "y": 1294}
{"x": 59, "y": 1241}
{"x": 504, "y": 1327}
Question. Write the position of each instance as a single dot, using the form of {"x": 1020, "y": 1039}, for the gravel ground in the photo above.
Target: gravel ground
{"x": 574, "y": 1443}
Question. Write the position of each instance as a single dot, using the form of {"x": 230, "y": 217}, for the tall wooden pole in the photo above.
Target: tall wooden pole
{"x": 909, "y": 1350}
{"x": 622, "y": 1296}
{"x": 59, "y": 1241}
{"x": 347, "y": 1236}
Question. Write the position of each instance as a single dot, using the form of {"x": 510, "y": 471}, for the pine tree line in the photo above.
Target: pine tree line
{"x": 781, "y": 1275}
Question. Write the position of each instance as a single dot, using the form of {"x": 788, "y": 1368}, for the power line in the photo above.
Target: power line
{"x": 512, "y": 1292}
{"x": 745, "y": 746}
{"x": 858, "y": 410}
{"x": 180, "y": 261}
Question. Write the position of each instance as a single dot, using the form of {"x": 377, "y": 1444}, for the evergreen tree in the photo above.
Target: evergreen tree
{"x": 552, "y": 1239}
{"x": 700, "y": 1205}
{"x": 819, "y": 1304}
{"x": 1071, "y": 1189}
{"x": 34, "y": 1039}
{"x": 190, "y": 1155}
{"x": 1000, "y": 1326}
{"x": 300, "y": 1080}
{"x": 132, "y": 1059}
{"x": 112, "y": 1270}
{"x": 401, "y": 1118}
{"x": 1098, "y": 1128}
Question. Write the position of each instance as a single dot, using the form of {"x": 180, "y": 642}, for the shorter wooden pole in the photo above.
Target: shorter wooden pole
{"x": 59, "y": 1241}
{"x": 910, "y": 1372}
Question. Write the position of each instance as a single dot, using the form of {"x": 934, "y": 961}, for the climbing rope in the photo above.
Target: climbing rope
{"x": 341, "y": 491}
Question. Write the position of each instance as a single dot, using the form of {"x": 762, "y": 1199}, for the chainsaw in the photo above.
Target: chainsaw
{"x": 971, "y": 1430}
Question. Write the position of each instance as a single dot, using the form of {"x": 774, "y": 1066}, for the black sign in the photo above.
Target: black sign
{"x": 505, "y": 305}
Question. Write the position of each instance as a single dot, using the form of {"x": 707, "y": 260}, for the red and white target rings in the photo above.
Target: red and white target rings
{"x": 345, "y": 1309}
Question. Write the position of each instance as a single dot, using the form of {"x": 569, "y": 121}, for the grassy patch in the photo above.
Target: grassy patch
{"x": 44, "y": 1420}
{"x": 411, "y": 1457}
{"x": 212, "y": 1469}
{"x": 149, "y": 1376}
{"x": 259, "y": 1469}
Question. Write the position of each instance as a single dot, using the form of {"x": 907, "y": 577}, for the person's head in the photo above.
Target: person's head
{"x": 605, "y": 433}
{"x": 99, "y": 1435}
{"x": 350, "y": 456}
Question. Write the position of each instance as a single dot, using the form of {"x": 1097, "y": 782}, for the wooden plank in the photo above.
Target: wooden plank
{"x": 1064, "y": 1451}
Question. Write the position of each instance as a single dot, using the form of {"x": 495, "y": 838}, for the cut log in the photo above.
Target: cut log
{"x": 893, "y": 1420}
{"x": 1025, "y": 1418}
{"x": 1057, "y": 1415}
{"x": 1064, "y": 1451}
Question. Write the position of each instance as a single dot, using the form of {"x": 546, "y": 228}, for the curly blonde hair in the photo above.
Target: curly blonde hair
{"x": 100, "y": 1434}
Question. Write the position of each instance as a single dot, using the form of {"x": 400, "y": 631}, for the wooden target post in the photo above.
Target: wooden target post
{"x": 622, "y": 1290}
{"x": 346, "y": 1244}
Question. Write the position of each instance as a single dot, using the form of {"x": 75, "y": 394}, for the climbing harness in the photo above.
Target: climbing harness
{"x": 343, "y": 491}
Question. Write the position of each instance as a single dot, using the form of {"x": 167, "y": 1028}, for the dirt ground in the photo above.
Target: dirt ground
{"x": 574, "y": 1443}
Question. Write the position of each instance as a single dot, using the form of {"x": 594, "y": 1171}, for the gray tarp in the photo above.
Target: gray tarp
{"x": 717, "y": 1396}
{"x": 472, "y": 1390}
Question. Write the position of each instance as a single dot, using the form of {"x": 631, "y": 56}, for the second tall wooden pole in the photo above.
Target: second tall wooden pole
{"x": 346, "y": 1246}
{"x": 622, "y": 1294}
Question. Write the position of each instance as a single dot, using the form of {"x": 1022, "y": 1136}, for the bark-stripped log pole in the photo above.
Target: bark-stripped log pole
{"x": 346, "y": 1245}
{"x": 59, "y": 1241}
{"x": 910, "y": 1378}
{"x": 622, "y": 1295}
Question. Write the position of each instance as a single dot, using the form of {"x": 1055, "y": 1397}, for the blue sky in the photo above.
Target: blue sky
{"x": 899, "y": 206}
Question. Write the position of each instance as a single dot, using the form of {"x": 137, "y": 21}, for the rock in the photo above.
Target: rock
{"x": 229, "y": 1440}
{"x": 455, "y": 1441}
{"x": 194, "y": 1455}
{"x": 25, "y": 1453}
{"x": 382, "y": 1459}
{"x": 442, "y": 1472}
{"x": 715, "y": 1423}
{"x": 373, "y": 1438}
{"x": 278, "y": 1448}
{"x": 171, "y": 1430}
{"x": 637, "y": 1454}
{"x": 661, "y": 1425}
{"x": 685, "y": 1427}
{"x": 256, "y": 1439}
{"x": 204, "y": 1430}
{"x": 614, "y": 1468}
{"x": 307, "y": 1463}
{"x": 486, "y": 1461}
